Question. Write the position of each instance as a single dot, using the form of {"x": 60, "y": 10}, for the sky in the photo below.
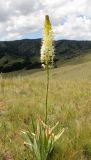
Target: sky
{"x": 23, "y": 19}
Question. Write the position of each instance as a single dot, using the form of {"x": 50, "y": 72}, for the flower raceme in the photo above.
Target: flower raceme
{"x": 47, "y": 49}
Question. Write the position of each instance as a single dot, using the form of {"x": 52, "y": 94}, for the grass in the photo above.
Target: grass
{"x": 8, "y": 60}
{"x": 23, "y": 94}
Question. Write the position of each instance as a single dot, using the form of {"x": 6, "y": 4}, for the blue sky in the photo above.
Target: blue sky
{"x": 22, "y": 19}
{"x": 32, "y": 35}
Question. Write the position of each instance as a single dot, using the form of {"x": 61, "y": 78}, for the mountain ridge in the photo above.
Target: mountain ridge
{"x": 25, "y": 53}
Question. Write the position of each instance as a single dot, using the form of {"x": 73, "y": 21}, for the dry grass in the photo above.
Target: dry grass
{"x": 69, "y": 103}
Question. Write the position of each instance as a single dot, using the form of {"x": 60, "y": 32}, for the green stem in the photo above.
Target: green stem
{"x": 47, "y": 88}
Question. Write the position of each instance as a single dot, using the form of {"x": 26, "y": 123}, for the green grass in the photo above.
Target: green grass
{"x": 23, "y": 93}
{"x": 8, "y": 60}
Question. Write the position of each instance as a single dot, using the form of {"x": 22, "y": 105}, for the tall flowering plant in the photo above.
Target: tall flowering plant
{"x": 47, "y": 54}
{"x": 42, "y": 140}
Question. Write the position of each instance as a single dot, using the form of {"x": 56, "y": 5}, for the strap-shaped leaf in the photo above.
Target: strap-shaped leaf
{"x": 58, "y": 135}
{"x": 43, "y": 140}
{"x": 54, "y": 127}
{"x": 36, "y": 150}
{"x": 27, "y": 139}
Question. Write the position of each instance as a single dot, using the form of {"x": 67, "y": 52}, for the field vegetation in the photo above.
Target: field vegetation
{"x": 23, "y": 94}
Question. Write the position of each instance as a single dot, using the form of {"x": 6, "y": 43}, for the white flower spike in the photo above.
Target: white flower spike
{"x": 47, "y": 49}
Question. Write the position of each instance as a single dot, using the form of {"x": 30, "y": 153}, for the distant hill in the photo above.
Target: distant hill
{"x": 19, "y": 54}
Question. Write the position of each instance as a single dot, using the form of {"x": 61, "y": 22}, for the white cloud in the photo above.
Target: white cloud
{"x": 71, "y": 19}
{"x": 74, "y": 28}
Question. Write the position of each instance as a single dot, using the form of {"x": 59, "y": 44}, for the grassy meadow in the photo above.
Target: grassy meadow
{"x": 23, "y": 93}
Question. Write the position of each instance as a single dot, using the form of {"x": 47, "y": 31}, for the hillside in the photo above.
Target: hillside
{"x": 76, "y": 68}
{"x": 22, "y": 93}
{"x": 16, "y": 55}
